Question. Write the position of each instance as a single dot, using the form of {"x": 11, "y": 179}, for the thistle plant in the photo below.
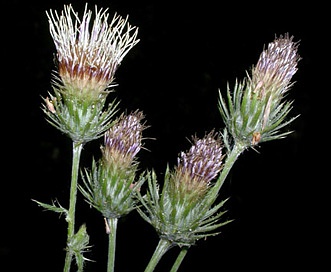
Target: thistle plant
{"x": 184, "y": 208}
{"x": 256, "y": 110}
{"x": 182, "y": 211}
{"x": 88, "y": 55}
{"x": 111, "y": 185}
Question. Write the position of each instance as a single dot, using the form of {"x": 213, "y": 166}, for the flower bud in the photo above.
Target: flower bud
{"x": 201, "y": 164}
{"x": 122, "y": 141}
{"x": 255, "y": 111}
{"x": 111, "y": 184}
{"x": 182, "y": 212}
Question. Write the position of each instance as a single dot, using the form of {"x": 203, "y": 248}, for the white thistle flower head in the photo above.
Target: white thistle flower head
{"x": 89, "y": 52}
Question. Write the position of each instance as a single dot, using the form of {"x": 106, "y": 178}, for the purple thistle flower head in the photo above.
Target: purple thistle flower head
{"x": 201, "y": 164}
{"x": 276, "y": 66}
{"x": 256, "y": 110}
{"x": 122, "y": 141}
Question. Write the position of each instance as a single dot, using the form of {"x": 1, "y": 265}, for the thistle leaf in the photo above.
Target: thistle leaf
{"x": 52, "y": 207}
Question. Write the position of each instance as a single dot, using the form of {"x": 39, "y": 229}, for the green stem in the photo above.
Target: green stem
{"x": 179, "y": 259}
{"x": 112, "y": 224}
{"x": 160, "y": 250}
{"x": 229, "y": 162}
{"x": 76, "y": 150}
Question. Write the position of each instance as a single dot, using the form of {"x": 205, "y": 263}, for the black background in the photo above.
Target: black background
{"x": 187, "y": 52}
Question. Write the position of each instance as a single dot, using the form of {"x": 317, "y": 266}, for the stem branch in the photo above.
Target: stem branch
{"x": 229, "y": 162}
{"x": 179, "y": 259}
{"x": 160, "y": 250}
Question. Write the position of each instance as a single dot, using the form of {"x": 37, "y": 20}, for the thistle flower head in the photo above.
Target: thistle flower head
{"x": 276, "y": 66}
{"x": 201, "y": 164}
{"x": 111, "y": 184}
{"x": 89, "y": 52}
{"x": 256, "y": 111}
{"x": 182, "y": 212}
{"x": 124, "y": 139}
